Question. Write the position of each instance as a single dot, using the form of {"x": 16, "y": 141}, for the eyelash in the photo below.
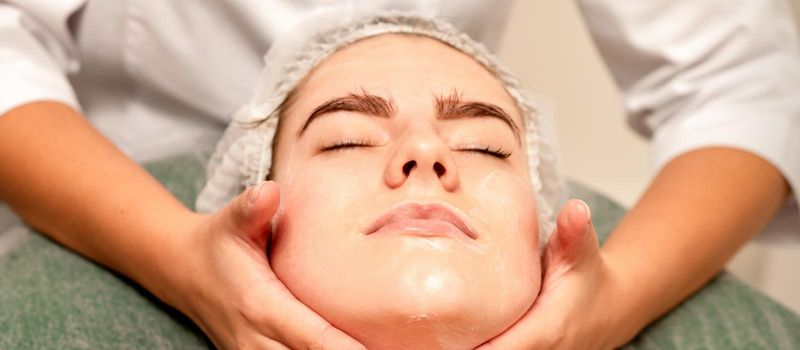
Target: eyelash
{"x": 345, "y": 143}
{"x": 497, "y": 152}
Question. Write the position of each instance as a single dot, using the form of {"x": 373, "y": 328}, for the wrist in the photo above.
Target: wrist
{"x": 628, "y": 316}
{"x": 170, "y": 267}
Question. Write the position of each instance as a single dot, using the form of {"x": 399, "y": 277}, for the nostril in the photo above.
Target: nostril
{"x": 410, "y": 165}
{"x": 439, "y": 169}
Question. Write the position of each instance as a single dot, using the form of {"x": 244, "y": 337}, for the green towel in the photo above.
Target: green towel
{"x": 51, "y": 298}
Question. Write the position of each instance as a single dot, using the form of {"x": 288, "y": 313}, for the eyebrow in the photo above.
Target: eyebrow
{"x": 364, "y": 103}
{"x": 447, "y": 107}
{"x": 454, "y": 107}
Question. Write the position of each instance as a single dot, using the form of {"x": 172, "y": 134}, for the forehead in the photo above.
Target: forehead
{"x": 409, "y": 69}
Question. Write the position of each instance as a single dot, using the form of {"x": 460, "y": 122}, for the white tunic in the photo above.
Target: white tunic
{"x": 160, "y": 77}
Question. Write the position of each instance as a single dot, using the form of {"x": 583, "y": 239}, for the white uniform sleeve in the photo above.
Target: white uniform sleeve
{"x": 37, "y": 51}
{"x": 708, "y": 73}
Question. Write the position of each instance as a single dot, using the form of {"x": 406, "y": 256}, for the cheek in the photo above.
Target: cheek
{"x": 505, "y": 200}
{"x": 316, "y": 196}
{"x": 315, "y": 221}
{"x": 313, "y": 187}
{"x": 505, "y": 204}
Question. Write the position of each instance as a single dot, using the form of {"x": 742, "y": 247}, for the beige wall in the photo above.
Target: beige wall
{"x": 548, "y": 46}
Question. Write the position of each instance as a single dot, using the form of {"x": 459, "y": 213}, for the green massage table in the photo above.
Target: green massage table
{"x": 52, "y": 298}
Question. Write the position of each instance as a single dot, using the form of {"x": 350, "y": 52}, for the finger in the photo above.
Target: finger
{"x": 530, "y": 332}
{"x": 575, "y": 240}
{"x": 301, "y": 328}
{"x": 574, "y": 243}
{"x": 285, "y": 319}
{"x": 249, "y": 213}
{"x": 267, "y": 344}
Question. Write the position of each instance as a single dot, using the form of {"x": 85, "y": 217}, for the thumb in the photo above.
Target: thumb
{"x": 249, "y": 214}
{"x": 575, "y": 239}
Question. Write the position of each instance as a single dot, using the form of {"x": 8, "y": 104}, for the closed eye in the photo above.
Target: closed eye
{"x": 497, "y": 152}
{"x": 343, "y": 144}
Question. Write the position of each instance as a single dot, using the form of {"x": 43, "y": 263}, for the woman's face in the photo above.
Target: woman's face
{"x": 407, "y": 217}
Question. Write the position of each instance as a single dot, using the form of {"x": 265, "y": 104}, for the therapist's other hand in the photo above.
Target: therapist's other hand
{"x": 578, "y": 287}
{"x": 236, "y": 299}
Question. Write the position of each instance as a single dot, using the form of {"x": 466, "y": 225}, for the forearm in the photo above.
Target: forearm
{"x": 699, "y": 210}
{"x": 66, "y": 180}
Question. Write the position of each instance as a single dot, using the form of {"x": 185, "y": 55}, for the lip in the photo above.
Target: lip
{"x": 423, "y": 219}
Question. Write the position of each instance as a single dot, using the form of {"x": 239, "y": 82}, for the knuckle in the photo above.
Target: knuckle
{"x": 251, "y": 308}
{"x": 309, "y": 343}
{"x": 556, "y": 338}
{"x": 314, "y": 346}
{"x": 317, "y": 339}
{"x": 319, "y": 342}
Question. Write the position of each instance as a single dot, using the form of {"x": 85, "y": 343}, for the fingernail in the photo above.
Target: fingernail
{"x": 588, "y": 211}
{"x": 585, "y": 207}
{"x": 252, "y": 197}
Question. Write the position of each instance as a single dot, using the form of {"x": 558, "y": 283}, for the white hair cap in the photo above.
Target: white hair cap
{"x": 244, "y": 154}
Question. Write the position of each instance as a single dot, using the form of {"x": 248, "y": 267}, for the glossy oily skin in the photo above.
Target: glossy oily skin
{"x": 407, "y": 219}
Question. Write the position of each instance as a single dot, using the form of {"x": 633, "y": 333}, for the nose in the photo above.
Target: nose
{"x": 422, "y": 159}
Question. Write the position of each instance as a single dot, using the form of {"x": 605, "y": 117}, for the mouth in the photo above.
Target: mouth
{"x": 423, "y": 219}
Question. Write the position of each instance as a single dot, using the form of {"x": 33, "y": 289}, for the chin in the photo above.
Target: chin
{"x": 409, "y": 293}
{"x": 432, "y": 306}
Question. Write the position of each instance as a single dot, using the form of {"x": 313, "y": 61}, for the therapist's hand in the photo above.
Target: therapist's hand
{"x": 236, "y": 298}
{"x": 577, "y": 286}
